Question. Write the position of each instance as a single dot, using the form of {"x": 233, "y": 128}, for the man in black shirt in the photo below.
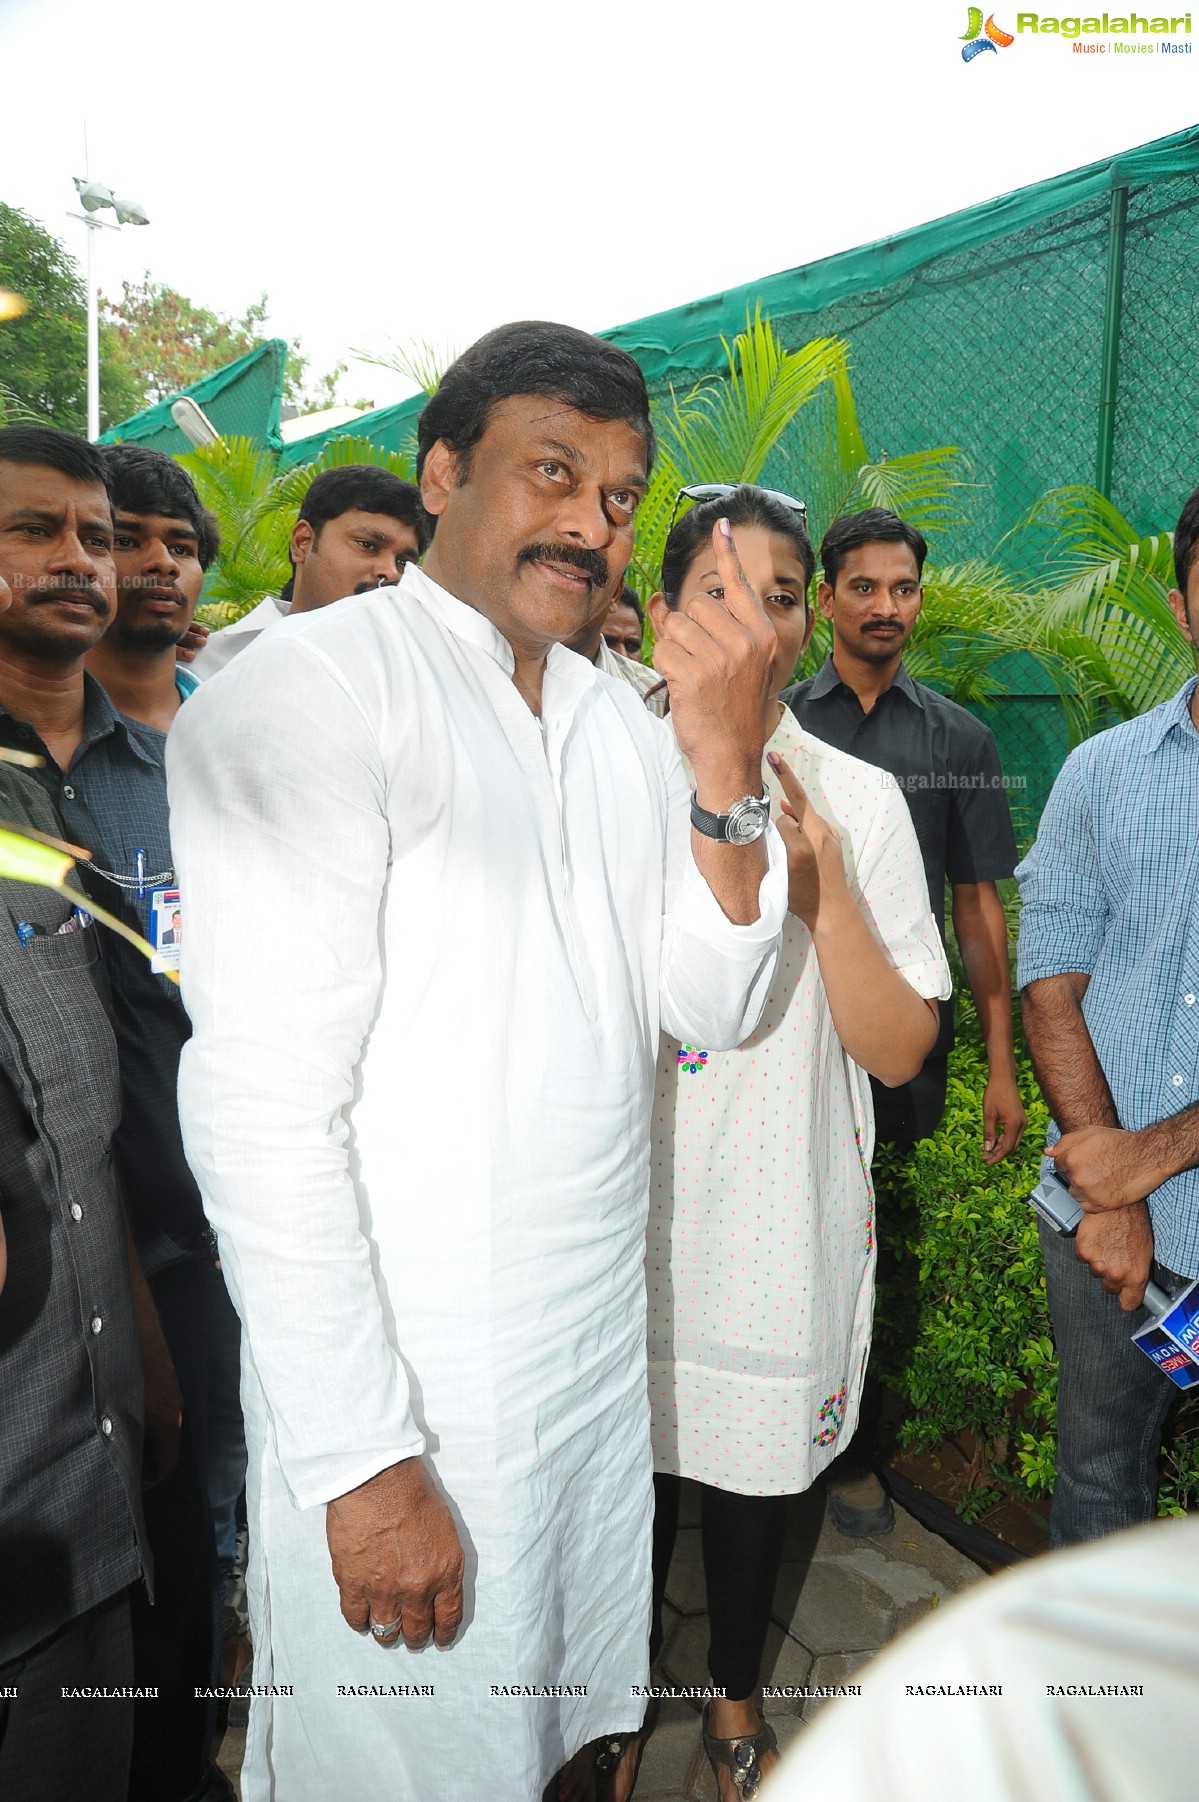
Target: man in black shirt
{"x": 863, "y": 701}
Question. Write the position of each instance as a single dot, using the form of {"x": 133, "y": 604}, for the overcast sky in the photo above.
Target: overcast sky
{"x": 398, "y": 172}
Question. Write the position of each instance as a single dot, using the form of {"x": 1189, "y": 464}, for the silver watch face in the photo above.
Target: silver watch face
{"x": 748, "y": 820}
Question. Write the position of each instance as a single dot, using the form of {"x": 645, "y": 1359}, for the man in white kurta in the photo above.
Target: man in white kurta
{"x": 432, "y": 937}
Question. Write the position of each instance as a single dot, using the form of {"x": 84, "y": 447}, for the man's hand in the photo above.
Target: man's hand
{"x": 1105, "y": 1167}
{"x": 193, "y": 640}
{"x": 1004, "y": 1118}
{"x": 716, "y": 656}
{"x": 814, "y": 860}
{"x": 396, "y": 1556}
{"x": 1118, "y": 1247}
{"x": 164, "y": 1414}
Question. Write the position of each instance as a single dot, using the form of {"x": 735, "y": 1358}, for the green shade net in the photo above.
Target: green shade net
{"x": 242, "y": 401}
{"x": 987, "y": 330}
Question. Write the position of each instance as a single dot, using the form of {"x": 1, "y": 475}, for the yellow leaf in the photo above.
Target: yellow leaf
{"x": 26, "y": 860}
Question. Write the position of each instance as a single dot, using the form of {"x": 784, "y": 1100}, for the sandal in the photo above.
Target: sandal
{"x": 741, "y": 1755}
{"x": 611, "y": 1750}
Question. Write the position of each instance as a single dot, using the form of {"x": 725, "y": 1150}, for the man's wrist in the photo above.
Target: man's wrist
{"x": 720, "y": 788}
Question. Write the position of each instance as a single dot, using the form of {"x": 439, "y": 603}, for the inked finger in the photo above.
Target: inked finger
{"x": 741, "y": 599}
{"x": 792, "y": 787}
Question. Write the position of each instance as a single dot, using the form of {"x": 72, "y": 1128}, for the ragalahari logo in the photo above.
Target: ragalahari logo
{"x": 978, "y": 37}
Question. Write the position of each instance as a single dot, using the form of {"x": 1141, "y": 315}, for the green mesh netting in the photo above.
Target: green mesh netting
{"x": 242, "y": 401}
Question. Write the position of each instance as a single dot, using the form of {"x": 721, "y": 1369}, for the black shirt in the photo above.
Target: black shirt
{"x": 113, "y": 802}
{"x": 947, "y": 767}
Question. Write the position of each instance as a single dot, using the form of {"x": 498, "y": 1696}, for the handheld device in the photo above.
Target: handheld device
{"x": 1053, "y": 1201}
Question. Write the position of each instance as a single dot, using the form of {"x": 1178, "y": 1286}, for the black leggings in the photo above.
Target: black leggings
{"x": 742, "y": 1539}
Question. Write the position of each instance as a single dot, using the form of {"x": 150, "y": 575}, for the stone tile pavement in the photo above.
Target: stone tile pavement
{"x": 837, "y": 1602}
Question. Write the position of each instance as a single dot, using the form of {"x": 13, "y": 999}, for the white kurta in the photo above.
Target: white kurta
{"x": 760, "y": 1256}
{"x": 429, "y": 946}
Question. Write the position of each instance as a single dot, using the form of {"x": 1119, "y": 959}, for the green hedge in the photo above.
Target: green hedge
{"x": 961, "y": 1323}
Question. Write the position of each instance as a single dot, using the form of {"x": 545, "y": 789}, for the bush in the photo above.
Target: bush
{"x": 962, "y": 1330}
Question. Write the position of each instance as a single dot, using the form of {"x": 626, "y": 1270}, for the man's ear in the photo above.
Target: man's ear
{"x": 824, "y": 600}
{"x": 1178, "y": 608}
{"x": 302, "y": 540}
{"x": 658, "y": 612}
{"x": 438, "y": 477}
{"x": 810, "y": 611}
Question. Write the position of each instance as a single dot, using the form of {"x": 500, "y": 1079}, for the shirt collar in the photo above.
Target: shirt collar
{"x": 464, "y": 622}
{"x": 101, "y": 720}
{"x": 1174, "y": 712}
{"x": 827, "y": 681}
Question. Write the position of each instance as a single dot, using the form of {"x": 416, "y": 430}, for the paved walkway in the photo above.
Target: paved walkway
{"x": 838, "y": 1601}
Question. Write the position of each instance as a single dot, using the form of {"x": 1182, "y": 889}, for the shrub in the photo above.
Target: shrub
{"x": 962, "y": 1329}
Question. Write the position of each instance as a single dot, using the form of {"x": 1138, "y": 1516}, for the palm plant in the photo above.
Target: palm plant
{"x": 727, "y": 429}
{"x": 1101, "y": 581}
{"x": 256, "y": 506}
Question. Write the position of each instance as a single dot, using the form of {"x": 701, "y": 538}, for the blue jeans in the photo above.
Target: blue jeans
{"x": 1111, "y": 1403}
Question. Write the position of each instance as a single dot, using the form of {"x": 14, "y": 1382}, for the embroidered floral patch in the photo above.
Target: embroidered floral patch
{"x": 832, "y": 1411}
{"x": 691, "y": 1058}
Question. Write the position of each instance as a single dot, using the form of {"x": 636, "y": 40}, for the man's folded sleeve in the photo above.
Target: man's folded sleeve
{"x": 715, "y": 976}
{"x": 1064, "y": 913}
{"x": 281, "y": 843}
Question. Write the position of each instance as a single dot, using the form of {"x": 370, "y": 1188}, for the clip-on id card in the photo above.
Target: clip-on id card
{"x": 166, "y": 929}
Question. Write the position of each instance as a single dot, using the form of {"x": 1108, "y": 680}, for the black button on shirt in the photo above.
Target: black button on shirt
{"x": 113, "y": 802}
{"x": 948, "y": 771}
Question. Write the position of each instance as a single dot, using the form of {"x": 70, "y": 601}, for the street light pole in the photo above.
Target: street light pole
{"x": 93, "y": 195}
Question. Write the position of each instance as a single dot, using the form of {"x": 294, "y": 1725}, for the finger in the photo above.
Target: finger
{"x": 693, "y": 636}
{"x": 416, "y": 1622}
{"x": 740, "y": 598}
{"x": 447, "y": 1613}
{"x": 355, "y": 1609}
{"x": 792, "y": 787}
{"x": 788, "y": 811}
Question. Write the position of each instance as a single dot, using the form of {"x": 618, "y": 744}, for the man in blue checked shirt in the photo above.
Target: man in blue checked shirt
{"x": 1109, "y": 969}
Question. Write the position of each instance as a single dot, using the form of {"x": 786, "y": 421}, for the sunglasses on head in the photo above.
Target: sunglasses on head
{"x": 715, "y": 491}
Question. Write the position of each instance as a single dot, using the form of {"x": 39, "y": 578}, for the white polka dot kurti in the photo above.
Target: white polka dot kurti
{"x": 760, "y": 1251}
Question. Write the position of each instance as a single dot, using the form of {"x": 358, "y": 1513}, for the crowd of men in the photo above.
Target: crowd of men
{"x": 377, "y": 1170}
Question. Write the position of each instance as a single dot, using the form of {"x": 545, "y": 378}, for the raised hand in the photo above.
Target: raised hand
{"x": 716, "y": 655}
{"x": 397, "y": 1560}
{"x": 815, "y": 866}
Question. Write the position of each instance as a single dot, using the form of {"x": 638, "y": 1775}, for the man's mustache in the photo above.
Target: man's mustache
{"x": 72, "y": 591}
{"x": 593, "y": 564}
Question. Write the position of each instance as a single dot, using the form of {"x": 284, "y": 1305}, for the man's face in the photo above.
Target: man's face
{"x": 1186, "y": 607}
{"x": 350, "y": 555}
{"x": 876, "y": 601}
{"x": 158, "y": 579}
{"x": 622, "y": 630}
{"x": 56, "y": 558}
{"x": 543, "y": 525}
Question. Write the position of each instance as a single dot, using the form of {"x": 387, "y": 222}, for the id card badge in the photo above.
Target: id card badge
{"x": 166, "y": 929}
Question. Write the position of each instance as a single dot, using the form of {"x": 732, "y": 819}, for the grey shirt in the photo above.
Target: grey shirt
{"x": 71, "y": 1409}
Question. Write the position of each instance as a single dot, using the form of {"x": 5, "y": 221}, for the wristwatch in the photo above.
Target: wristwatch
{"x": 745, "y": 821}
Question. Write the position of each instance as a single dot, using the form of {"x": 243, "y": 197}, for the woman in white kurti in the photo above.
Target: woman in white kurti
{"x": 431, "y": 937}
{"x": 760, "y": 1258}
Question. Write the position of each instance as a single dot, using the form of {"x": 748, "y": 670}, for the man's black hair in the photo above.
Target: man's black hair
{"x": 1186, "y": 541}
{"x": 532, "y": 356}
{"x": 142, "y": 480}
{"x": 746, "y": 506}
{"x": 65, "y": 451}
{"x": 628, "y": 597}
{"x": 873, "y": 525}
{"x": 365, "y": 488}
